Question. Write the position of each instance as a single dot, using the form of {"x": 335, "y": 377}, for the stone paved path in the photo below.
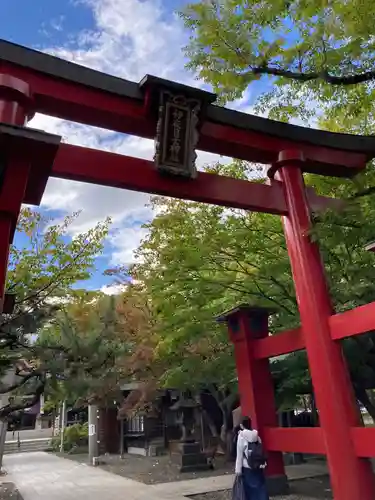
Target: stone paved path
{"x": 42, "y": 476}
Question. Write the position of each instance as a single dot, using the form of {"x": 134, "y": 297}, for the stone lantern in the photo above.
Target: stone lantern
{"x": 187, "y": 406}
{"x": 190, "y": 457}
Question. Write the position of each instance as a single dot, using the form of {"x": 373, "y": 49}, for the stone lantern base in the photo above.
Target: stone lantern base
{"x": 190, "y": 458}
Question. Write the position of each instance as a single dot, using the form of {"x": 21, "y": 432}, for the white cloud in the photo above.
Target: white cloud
{"x": 116, "y": 288}
{"x": 126, "y": 241}
{"x": 131, "y": 38}
{"x": 113, "y": 289}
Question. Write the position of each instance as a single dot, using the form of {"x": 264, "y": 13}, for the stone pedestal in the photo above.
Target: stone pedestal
{"x": 190, "y": 458}
{"x": 156, "y": 447}
{"x": 38, "y": 423}
{"x": 294, "y": 459}
{"x": 277, "y": 485}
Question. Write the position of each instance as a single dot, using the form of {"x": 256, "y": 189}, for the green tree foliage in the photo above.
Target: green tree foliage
{"x": 75, "y": 439}
{"x": 81, "y": 349}
{"x": 315, "y": 61}
{"x": 94, "y": 343}
{"x": 200, "y": 260}
{"x": 310, "y": 51}
{"x": 42, "y": 270}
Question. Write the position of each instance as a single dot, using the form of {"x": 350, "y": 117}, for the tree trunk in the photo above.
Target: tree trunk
{"x": 314, "y": 411}
{"x": 363, "y": 397}
{"x": 224, "y": 427}
{"x": 371, "y": 395}
{"x": 226, "y": 432}
{"x": 225, "y": 403}
{"x": 210, "y": 423}
{"x": 210, "y": 448}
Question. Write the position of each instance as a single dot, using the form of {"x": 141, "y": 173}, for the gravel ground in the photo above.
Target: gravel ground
{"x": 9, "y": 492}
{"x": 153, "y": 470}
{"x": 307, "y": 489}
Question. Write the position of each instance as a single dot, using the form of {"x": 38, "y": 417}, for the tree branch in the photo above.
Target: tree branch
{"x": 314, "y": 75}
{"x": 11, "y": 408}
{"x": 20, "y": 383}
{"x": 364, "y": 192}
{"x": 324, "y": 75}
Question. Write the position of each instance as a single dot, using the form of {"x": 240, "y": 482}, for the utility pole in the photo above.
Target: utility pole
{"x": 62, "y": 427}
{"x": 3, "y": 435}
{"x": 93, "y": 412}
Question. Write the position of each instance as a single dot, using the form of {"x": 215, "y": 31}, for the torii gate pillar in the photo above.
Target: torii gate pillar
{"x": 26, "y": 158}
{"x": 338, "y": 411}
{"x": 246, "y": 325}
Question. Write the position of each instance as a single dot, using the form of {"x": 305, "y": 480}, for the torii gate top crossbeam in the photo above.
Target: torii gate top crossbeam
{"x": 76, "y": 93}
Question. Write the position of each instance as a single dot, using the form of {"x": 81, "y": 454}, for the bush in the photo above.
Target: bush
{"x": 75, "y": 436}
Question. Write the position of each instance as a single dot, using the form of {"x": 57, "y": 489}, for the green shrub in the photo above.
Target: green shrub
{"x": 75, "y": 436}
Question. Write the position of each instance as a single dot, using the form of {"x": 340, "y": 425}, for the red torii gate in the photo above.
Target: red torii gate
{"x": 32, "y": 82}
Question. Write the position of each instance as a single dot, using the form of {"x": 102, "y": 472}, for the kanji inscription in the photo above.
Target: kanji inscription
{"x": 177, "y": 135}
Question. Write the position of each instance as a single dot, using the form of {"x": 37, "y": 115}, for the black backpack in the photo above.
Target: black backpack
{"x": 254, "y": 455}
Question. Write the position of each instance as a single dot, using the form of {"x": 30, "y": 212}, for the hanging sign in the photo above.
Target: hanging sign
{"x": 177, "y": 135}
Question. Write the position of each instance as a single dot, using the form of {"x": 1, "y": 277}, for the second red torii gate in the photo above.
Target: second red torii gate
{"x": 32, "y": 82}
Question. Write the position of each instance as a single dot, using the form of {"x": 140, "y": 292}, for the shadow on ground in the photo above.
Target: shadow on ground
{"x": 8, "y": 491}
{"x": 306, "y": 489}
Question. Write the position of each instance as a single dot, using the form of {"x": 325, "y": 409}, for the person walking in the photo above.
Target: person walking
{"x": 251, "y": 462}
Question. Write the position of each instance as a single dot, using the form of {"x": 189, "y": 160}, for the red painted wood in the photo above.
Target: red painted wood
{"x": 364, "y": 441}
{"x": 354, "y": 322}
{"x": 279, "y": 343}
{"x": 110, "y": 169}
{"x": 14, "y": 188}
{"x": 254, "y": 377}
{"x": 295, "y": 440}
{"x": 86, "y": 165}
{"x": 78, "y": 103}
{"x": 14, "y": 100}
{"x": 82, "y": 104}
{"x": 257, "y": 147}
{"x": 11, "y": 196}
{"x": 5, "y": 238}
{"x": 351, "y": 477}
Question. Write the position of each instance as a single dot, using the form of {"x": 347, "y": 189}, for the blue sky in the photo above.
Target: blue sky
{"x": 38, "y": 23}
{"x": 127, "y": 38}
